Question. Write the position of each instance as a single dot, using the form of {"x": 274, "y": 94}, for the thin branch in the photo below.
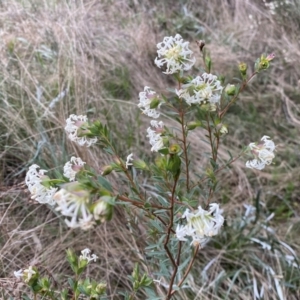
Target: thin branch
{"x": 233, "y": 100}
{"x": 168, "y": 238}
{"x": 139, "y": 204}
{"x": 185, "y": 151}
{"x": 187, "y": 270}
{"x": 210, "y": 139}
{"x": 217, "y": 171}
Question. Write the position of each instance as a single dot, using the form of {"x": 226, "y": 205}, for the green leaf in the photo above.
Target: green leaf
{"x": 156, "y": 253}
{"x": 108, "y": 150}
{"x": 230, "y": 155}
{"x": 214, "y": 164}
{"x": 157, "y": 225}
{"x": 164, "y": 151}
{"x": 160, "y": 211}
{"x": 82, "y": 289}
{"x": 151, "y": 294}
{"x": 105, "y": 183}
{"x": 147, "y": 281}
{"x": 162, "y": 200}
{"x": 71, "y": 283}
{"x": 178, "y": 120}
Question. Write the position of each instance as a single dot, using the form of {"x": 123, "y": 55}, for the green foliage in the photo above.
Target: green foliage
{"x": 42, "y": 286}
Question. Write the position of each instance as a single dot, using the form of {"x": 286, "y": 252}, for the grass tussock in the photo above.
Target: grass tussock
{"x": 94, "y": 57}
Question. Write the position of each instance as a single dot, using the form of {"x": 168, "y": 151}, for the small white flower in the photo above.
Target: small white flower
{"x": 182, "y": 231}
{"x": 154, "y": 136}
{"x": 262, "y": 152}
{"x": 19, "y": 273}
{"x": 28, "y": 274}
{"x": 72, "y": 167}
{"x": 202, "y": 89}
{"x": 86, "y": 255}
{"x": 255, "y": 164}
{"x": 39, "y": 192}
{"x": 224, "y": 129}
{"x": 175, "y": 53}
{"x": 201, "y": 224}
{"x": 146, "y": 98}
{"x": 129, "y": 160}
{"x": 84, "y": 223}
{"x": 72, "y": 201}
{"x": 74, "y": 124}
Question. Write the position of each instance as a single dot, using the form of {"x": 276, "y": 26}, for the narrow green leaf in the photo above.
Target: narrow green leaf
{"x": 106, "y": 184}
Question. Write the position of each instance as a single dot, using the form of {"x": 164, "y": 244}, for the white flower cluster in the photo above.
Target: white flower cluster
{"x": 72, "y": 167}
{"x": 74, "y": 124}
{"x": 262, "y": 152}
{"x": 85, "y": 254}
{"x": 72, "y": 200}
{"x": 39, "y": 192}
{"x": 26, "y": 274}
{"x": 202, "y": 89}
{"x": 154, "y": 135}
{"x": 156, "y": 140}
{"x": 175, "y": 53}
{"x": 146, "y": 98}
{"x": 201, "y": 224}
{"x": 73, "y": 203}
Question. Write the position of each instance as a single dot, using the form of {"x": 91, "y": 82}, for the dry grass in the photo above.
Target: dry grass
{"x": 101, "y": 54}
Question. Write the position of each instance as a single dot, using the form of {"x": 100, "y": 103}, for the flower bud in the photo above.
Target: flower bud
{"x": 140, "y": 164}
{"x": 194, "y": 124}
{"x": 263, "y": 62}
{"x": 174, "y": 149}
{"x": 201, "y": 44}
{"x": 107, "y": 170}
{"x": 208, "y": 107}
{"x": 117, "y": 161}
{"x": 230, "y": 89}
{"x": 270, "y": 57}
{"x": 243, "y": 69}
{"x": 102, "y": 210}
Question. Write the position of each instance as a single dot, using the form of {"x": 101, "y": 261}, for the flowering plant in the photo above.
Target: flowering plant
{"x": 50, "y": 289}
{"x": 178, "y": 201}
